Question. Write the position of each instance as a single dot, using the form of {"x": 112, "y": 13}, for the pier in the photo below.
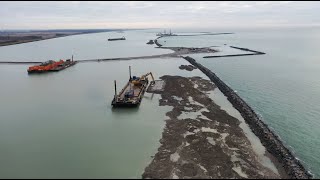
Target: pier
{"x": 242, "y": 49}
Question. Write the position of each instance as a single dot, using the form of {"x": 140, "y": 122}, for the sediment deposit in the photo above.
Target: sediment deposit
{"x": 200, "y": 140}
{"x": 268, "y": 138}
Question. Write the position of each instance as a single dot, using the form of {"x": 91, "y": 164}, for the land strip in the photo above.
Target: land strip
{"x": 19, "y": 37}
{"x": 200, "y": 140}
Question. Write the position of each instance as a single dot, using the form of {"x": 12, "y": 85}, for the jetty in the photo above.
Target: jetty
{"x": 252, "y": 52}
{"x": 177, "y": 52}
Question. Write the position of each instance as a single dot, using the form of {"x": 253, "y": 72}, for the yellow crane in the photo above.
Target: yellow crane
{"x": 137, "y": 82}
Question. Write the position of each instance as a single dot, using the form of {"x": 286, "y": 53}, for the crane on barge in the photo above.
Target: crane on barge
{"x": 138, "y": 81}
{"x": 132, "y": 93}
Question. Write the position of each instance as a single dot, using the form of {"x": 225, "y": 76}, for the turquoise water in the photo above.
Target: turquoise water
{"x": 283, "y": 86}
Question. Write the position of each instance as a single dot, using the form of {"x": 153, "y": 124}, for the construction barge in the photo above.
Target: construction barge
{"x": 132, "y": 94}
{"x": 51, "y": 66}
{"x": 116, "y": 39}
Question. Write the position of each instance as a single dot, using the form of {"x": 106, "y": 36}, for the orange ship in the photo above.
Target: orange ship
{"x": 51, "y": 66}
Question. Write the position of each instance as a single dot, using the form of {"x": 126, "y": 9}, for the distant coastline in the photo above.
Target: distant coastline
{"x": 13, "y": 37}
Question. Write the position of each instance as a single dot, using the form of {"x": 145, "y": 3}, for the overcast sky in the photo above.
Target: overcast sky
{"x": 164, "y": 14}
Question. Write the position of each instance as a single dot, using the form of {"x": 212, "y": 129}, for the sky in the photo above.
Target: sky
{"x": 156, "y": 14}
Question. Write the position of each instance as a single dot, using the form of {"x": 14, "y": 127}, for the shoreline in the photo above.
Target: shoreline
{"x": 268, "y": 138}
{"x": 201, "y": 140}
{"x": 42, "y": 39}
{"x": 28, "y": 41}
{"x": 278, "y": 165}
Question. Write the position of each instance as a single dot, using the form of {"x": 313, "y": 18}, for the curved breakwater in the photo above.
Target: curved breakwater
{"x": 156, "y": 42}
{"x": 270, "y": 140}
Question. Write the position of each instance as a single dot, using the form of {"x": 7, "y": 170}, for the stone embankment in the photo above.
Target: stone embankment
{"x": 253, "y": 52}
{"x": 246, "y": 49}
{"x": 270, "y": 140}
{"x": 204, "y": 34}
{"x": 200, "y": 140}
{"x": 231, "y": 55}
{"x": 156, "y": 42}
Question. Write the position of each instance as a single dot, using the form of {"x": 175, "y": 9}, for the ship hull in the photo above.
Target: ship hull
{"x": 64, "y": 66}
{"x": 133, "y": 101}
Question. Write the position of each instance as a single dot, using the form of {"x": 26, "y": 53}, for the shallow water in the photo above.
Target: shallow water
{"x": 283, "y": 85}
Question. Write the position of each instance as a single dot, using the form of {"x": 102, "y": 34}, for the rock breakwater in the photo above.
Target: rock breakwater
{"x": 270, "y": 140}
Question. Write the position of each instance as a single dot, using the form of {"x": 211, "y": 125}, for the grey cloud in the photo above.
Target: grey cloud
{"x": 143, "y": 14}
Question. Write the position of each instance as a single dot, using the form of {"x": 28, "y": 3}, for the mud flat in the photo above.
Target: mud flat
{"x": 292, "y": 166}
{"x": 200, "y": 140}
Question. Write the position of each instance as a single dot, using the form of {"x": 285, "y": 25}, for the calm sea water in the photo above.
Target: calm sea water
{"x": 86, "y": 46}
{"x": 283, "y": 86}
{"x": 61, "y": 125}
